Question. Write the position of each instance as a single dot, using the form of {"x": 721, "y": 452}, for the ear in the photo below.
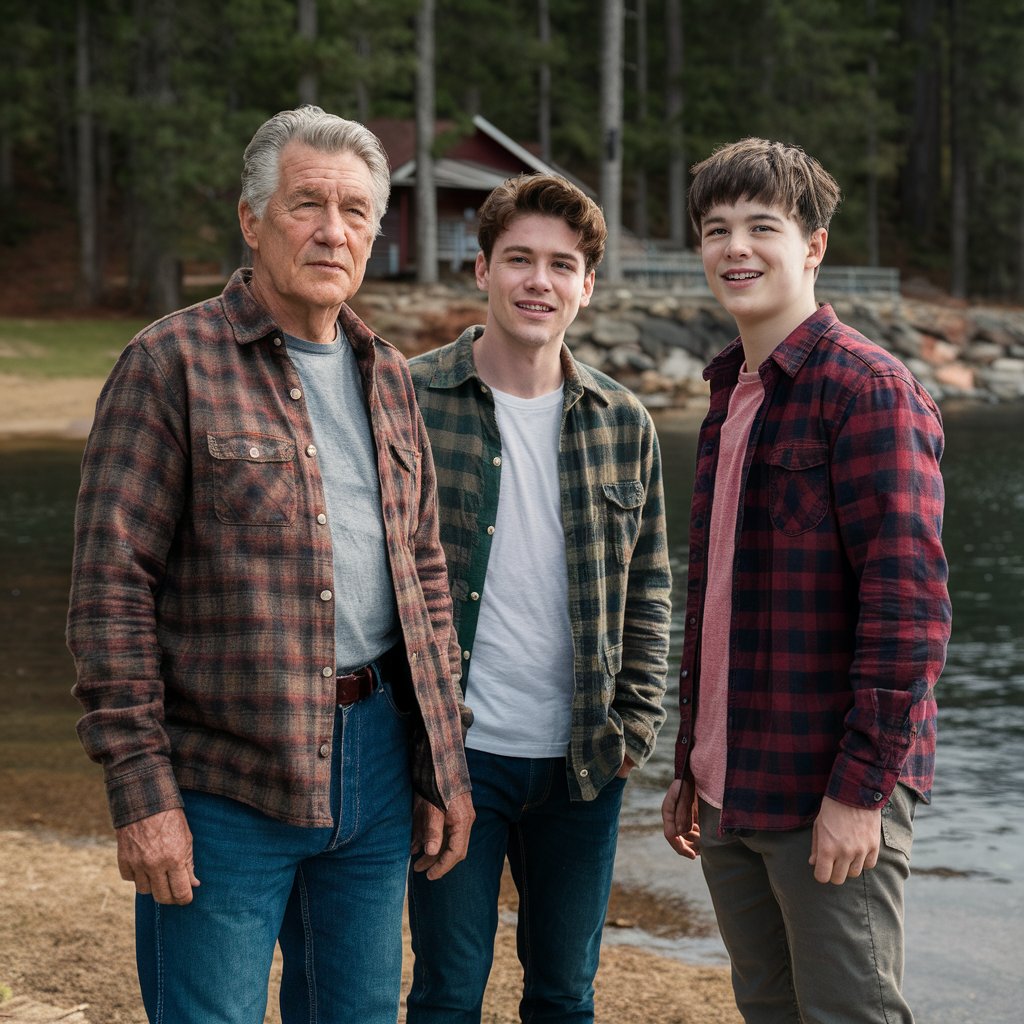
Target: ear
{"x": 248, "y": 221}
{"x": 816, "y": 246}
{"x": 482, "y": 271}
{"x": 588, "y": 288}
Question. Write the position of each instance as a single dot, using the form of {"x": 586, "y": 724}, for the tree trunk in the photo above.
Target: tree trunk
{"x": 674, "y": 100}
{"x": 871, "y": 153}
{"x": 88, "y": 264}
{"x": 307, "y": 33}
{"x": 611, "y": 133}
{"x": 544, "y": 81}
{"x": 426, "y": 197}
{"x": 640, "y": 179}
{"x": 959, "y": 198}
{"x": 921, "y": 182}
{"x": 362, "y": 86}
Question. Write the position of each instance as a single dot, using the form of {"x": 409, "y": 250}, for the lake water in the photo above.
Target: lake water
{"x": 965, "y": 901}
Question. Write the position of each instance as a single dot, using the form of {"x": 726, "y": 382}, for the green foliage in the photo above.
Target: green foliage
{"x": 178, "y": 88}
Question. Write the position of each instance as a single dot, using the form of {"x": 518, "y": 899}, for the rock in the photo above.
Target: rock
{"x": 630, "y": 359}
{"x": 680, "y": 365}
{"x": 610, "y": 333}
{"x": 937, "y": 352}
{"x": 983, "y": 352}
{"x": 956, "y": 377}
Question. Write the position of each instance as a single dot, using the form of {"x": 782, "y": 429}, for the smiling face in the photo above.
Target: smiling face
{"x": 312, "y": 243}
{"x": 536, "y": 282}
{"x": 760, "y": 265}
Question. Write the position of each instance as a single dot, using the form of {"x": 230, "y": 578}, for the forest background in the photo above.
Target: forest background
{"x": 123, "y": 121}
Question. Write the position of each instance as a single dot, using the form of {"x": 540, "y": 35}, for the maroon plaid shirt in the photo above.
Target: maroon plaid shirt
{"x": 840, "y": 611}
{"x": 205, "y": 655}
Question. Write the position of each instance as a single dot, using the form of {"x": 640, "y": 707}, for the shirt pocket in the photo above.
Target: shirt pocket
{"x": 253, "y": 479}
{"x": 622, "y": 505}
{"x": 404, "y": 485}
{"x": 798, "y": 486}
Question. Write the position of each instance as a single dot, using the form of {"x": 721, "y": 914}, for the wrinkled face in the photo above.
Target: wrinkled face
{"x": 312, "y": 243}
{"x": 758, "y": 261}
{"x": 536, "y": 281}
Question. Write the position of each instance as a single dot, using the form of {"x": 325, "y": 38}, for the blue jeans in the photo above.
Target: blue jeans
{"x": 332, "y": 896}
{"x": 803, "y": 952}
{"x": 561, "y": 853}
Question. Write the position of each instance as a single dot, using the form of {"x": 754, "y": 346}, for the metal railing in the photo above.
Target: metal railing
{"x": 684, "y": 273}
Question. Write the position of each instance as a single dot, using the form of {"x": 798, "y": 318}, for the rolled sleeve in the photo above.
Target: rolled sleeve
{"x": 889, "y": 501}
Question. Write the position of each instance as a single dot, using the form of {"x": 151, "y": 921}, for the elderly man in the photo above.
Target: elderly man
{"x": 260, "y": 615}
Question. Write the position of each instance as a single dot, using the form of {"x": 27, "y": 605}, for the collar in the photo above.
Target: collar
{"x": 250, "y": 321}
{"x": 455, "y": 366}
{"x": 789, "y": 355}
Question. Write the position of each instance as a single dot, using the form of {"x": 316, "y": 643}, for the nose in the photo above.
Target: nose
{"x": 539, "y": 279}
{"x": 739, "y": 245}
{"x": 331, "y": 229}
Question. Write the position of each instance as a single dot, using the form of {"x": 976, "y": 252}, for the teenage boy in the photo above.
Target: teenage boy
{"x": 552, "y": 521}
{"x": 816, "y": 617}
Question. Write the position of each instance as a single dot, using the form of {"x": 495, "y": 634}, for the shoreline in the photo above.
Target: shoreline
{"x": 64, "y": 902}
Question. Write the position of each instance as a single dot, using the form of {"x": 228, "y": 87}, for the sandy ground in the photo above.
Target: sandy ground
{"x": 66, "y": 917}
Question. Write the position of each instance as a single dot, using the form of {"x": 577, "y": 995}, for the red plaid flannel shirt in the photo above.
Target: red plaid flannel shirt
{"x": 205, "y": 656}
{"x": 840, "y": 610}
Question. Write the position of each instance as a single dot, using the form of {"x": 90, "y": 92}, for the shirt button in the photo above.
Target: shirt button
{"x": 295, "y": 393}
{"x": 683, "y": 673}
{"x": 490, "y": 530}
{"x": 474, "y": 596}
{"x": 325, "y": 595}
{"x": 327, "y": 671}
{"x": 584, "y": 773}
{"x": 692, "y": 620}
{"x": 278, "y": 343}
{"x": 311, "y": 450}
{"x": 877, "y": 796}
{"x": 325, "y": 749}
{"x": 496, "y": 461}
{"x": 321, "y": 519}
{"x": 684, "y": 700}
{"x": 254, "y": 453}
{"x": 684, "y": 740}
{"x": 465, "y": 655}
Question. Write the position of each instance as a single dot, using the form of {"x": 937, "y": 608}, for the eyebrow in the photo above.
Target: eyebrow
{"x": 527, "y": 251}
{"x": 719, "y": 219}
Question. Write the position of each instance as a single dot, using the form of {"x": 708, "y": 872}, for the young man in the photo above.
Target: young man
{"x": 260, "y": 614}
{"x": 817, "y": 614}
{"x": 552, "y": 521}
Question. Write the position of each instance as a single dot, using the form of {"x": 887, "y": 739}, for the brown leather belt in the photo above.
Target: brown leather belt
{"x": 355, "y": 686}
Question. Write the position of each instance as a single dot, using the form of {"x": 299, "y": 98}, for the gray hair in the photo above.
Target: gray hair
{"x": 328, "y": 133}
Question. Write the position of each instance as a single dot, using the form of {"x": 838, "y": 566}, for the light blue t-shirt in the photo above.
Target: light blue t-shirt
{"x": 365, "y": 614}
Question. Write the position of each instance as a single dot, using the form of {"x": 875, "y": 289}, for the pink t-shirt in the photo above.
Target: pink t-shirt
{"x": 708, "y": 758}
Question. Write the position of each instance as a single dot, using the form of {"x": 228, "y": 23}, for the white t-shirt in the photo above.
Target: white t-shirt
{"x": 521, "y": 679}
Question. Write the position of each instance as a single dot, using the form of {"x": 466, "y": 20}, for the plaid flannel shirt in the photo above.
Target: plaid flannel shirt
{"x": 840, "y": 611}
{"x": 617, "y": 557}
{"x": 205, "y": 653}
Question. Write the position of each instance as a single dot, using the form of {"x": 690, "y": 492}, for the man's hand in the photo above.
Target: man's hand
{"x": 679, "y": 818}
{"x": 442, "y": 836}
{"x": 156, "y": 854}
{"x": 628, "y": 764}
{"x": 845, "y": 841}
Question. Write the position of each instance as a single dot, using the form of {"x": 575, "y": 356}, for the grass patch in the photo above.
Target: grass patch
{"x": 63, "y": 348}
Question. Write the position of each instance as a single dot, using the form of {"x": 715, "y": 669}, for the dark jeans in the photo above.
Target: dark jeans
{"x": 561, "y": 853}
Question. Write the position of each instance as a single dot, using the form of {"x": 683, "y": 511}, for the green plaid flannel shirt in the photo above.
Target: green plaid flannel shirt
{"x": 613, "y": 515}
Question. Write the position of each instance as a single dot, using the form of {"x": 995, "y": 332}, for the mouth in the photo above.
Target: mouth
{"x": 327, "y": 264}
{"x": 535, "y": 307}
{"x": 742, "y": 275}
